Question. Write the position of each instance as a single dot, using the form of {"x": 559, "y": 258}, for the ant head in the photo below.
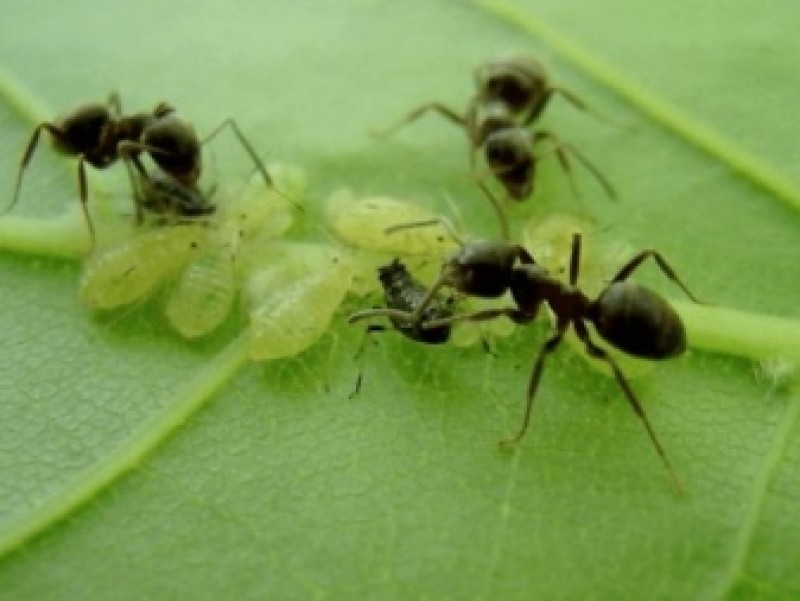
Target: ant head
{"x": 481, "y": 268}
{"x": 84, "y": 128}
{"x": 508, "y": 149}
{"x": 173, "y": 144}
{"x": 509, "y": 155}
{"x": 519, "y": 82}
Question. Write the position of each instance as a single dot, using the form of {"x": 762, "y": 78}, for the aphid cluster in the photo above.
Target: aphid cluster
{"x": 203, "y": 247}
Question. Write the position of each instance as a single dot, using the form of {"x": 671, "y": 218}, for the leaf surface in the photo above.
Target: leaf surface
{"x": 276, "y": 484}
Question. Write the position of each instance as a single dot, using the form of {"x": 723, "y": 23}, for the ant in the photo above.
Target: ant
{"x": 403, "y": 292}
{"x": 100, "y": 134}
{"x": 510, "y": 95}
{"x": 630, "y": 317}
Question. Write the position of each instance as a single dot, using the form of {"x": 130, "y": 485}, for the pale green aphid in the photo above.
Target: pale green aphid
{"x": 204, "y": 294}
{"x": 362, "y": 222}
{"x": 131, "y": 270}
{"x": 292, "y": 300}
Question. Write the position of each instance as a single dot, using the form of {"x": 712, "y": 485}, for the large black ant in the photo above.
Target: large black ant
{"x": 403, "y": 292}
{"x": 99, "y": 134}
{"x": 630, "y": 317}
{"x": 510, "y": 95}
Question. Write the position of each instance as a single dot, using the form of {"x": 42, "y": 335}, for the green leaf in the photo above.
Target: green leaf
{"x": 134, "y": 464}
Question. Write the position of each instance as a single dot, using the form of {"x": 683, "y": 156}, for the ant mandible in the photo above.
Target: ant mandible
{"x": 99, "y": 134}
{"x": 630, "y": 317}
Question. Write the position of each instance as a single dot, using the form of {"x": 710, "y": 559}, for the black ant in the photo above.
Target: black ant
{"x": 630, "y": 317}
{"x": 99, "y": 134}
{"x": 510, "y": 95}
{"x": 403, "y": 292}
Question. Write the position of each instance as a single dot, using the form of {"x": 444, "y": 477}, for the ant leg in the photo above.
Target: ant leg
{"x": 441, "y": 221}
{"x": 251, "y": 152}
{"x": 513, "y": 313}
{"x": 538, "y": 367}
{"x": 418, "y": 112}
{"x": 596, "y": 351}
{"x": 575, "y": 259}
{"x": 26, "y": 158}
{"x": 84, "y": 198}
{"x": 633, "y": 264}
{"x": 559, "y": 147}
{"x": 129, "y": 153}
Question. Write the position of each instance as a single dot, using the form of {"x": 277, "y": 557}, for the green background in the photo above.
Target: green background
{"x": 281, "y": 486}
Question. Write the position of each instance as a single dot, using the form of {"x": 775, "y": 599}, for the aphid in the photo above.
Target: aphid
{"x": 510, "y": 95}
{"x": 207, "y": 250}
{"x": 131, "y": 270}
{"x": 99, "y": 134}
{"x": 404, "y": 292}
{"x": 630, "y": 317}
{"x": 363, "y": 222}
{"x": 205, "y": 292}
{"x": 292, "y": 300}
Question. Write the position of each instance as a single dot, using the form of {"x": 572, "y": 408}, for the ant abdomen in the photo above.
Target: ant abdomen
{"x": 638, "y": 321}
{"x": 178, "y": 147}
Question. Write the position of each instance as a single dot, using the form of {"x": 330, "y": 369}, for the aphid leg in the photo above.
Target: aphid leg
{"x": 26, "y": 158}
{"x": 498, "y": 209}
{"x": 371, "y": 329}
{"x": 635, "y": 262}
{"x": 597, "y": 352}
{"x": 84, "y": 198}
{"x": 442, "y": 221}
{"x": 536, "y": 374}
{"x": 560, "y": 147}
{"x": 418, "y": 112}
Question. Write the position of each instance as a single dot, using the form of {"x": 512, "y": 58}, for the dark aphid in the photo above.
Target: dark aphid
{"x": 166, "y": 197}
{"x": 99, "y": 134}
{"x": 404, "y": 293}
{"x": 630, "y": 317}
